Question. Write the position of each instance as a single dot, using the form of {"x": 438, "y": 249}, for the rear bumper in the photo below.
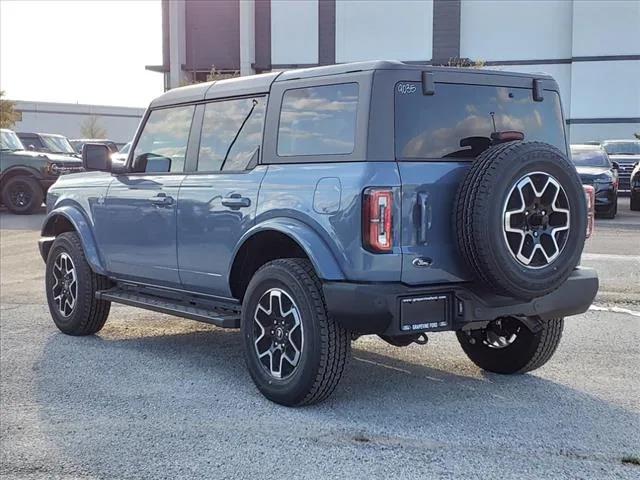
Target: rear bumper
{"x": 376, "y": 308}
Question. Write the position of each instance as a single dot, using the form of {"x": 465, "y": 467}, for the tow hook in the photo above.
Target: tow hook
{"x": 405, "y": 340}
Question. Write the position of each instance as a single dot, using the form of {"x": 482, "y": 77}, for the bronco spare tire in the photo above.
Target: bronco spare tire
{"x": 521, "y": 219}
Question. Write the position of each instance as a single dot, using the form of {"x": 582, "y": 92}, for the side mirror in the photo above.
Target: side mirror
{"x": 616, "y": 166}
{"x": 158, "y": 165}
{"x": 96, "y": 156}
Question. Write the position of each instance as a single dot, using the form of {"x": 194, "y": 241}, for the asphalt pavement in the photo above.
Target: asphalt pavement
{"x": 153, "y": 396}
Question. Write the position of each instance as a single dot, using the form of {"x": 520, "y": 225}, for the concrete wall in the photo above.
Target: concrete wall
{"x": 383, "y": 29}
{"x": 515, "y": 30}
{"x": 294, "y": 32}
{"x": 67, "y": 119}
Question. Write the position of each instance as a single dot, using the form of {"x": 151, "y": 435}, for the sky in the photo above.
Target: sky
{"x": 81, "y": 51}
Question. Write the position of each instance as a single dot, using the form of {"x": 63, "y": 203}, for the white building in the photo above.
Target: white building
{"x": 120, "y": 123}
{"x": 591, "y": 47}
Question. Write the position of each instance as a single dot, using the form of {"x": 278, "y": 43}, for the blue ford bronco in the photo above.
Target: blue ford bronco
{"x": 309, "y": 207}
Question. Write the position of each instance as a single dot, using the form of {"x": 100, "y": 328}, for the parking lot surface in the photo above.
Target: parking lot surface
{"x": 153, "y": 396}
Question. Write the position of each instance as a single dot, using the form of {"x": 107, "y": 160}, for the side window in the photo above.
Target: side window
{"x": 162, "y": 145}
{"x": 318, "y": 120}
{"x": 231, "y": 134}
{"x": 35, "y": 141}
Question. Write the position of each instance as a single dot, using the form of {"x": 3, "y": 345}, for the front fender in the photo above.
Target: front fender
{"x": 80, "y": 225}
{"x": 314, "y": 246}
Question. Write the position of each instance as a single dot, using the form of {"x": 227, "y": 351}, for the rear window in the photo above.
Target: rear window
{"x": 589, "y": 157}
{"x": 318, "y": 120}
{"x": 457, "y": 122}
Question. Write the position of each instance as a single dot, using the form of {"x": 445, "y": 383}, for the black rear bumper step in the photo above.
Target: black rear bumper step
{"x": 220, "y": 317}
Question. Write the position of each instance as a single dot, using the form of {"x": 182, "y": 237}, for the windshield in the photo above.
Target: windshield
{"x": 622, "y": 148}
{"x": 126, "y": 148}
{"x": 57, "y": 144}
{"x": 461, "y": 121}
{"x": 589, "y": 157}
{"x": 10, "y": 141}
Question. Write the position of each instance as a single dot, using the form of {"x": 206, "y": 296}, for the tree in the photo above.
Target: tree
{"x": 8, "y": 115}
{"x": 91, "y": 128}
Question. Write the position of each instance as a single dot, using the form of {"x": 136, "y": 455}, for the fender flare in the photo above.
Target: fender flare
{"x": 85, "y": 232}
{"x": 20, "y": 170}
{"x": 321, "y": 256}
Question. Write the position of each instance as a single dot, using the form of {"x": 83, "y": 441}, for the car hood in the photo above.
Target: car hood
{"x": 53, "y": 157}
{"x": 625, "y": 158}
{"x": 591, "y": 171}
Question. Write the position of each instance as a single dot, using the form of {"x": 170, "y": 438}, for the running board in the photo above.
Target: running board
{"x": 218, "y": 315}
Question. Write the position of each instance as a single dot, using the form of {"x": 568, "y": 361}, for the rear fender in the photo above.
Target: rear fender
{"x": 323, "y": 260}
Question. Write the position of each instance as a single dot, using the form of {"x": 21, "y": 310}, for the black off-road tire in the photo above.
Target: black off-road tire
{"x": 528, "y": 352}
{"x": 89, "y": 314}
{"x": 478, "y": 221}
{"x": 326, "y": 346}
{"x": 31, "y": 191}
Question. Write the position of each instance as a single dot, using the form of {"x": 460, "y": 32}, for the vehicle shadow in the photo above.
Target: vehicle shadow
{"x": 127, "y": 399}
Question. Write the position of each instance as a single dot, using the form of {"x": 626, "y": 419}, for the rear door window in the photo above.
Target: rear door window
{"x": 457, "y": 122}
{"x": 318, "y": 120}
{"x": 231, "y": 134}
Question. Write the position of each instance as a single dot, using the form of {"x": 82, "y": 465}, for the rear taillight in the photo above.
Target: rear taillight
{"x": 377, "y": 217}
{"x": 590, "y": 194}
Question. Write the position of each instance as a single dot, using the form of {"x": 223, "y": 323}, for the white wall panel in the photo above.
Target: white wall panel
{"x": 560, "y": 72}
{"x": 294, "y": 31}
{"x": 605, "y": 89}
{"x": 515, "y": 30}
{"x": 606, "y": 27}
{"x": 598, "y": 131}
{"x": 383, "y": 29}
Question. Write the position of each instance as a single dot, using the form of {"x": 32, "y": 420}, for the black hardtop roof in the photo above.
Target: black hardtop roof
{"x": 261, "y": 83}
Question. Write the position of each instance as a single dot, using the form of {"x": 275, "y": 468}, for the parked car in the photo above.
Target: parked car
{"x": 635, "y": 188}
{"x": 626, "y": 153}
{"x": 47, "y": 142}
{"x": 120, "y": 157}
{"x": 595, "y": 168}
{"x": 25, "y": 176}
{"x": 312, "y": 206}
{"x": 78, "y": 143}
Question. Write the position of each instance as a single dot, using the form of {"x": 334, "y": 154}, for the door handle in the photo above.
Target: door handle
{"x": 236, "y": 201}
{"x": 162, "y": 200}
{"x": 425, "y": 217}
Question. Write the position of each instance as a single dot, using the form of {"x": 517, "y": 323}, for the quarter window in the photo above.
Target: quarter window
{"x": 164, "y": 137}
{"x": 231, "y": 134}
{"x": 318, "y": 120}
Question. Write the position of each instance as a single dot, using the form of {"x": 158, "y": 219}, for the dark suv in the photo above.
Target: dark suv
{"x": 25, "y": 176}
{"x": 312, "y": 206}
{"x": 595, "y": 168}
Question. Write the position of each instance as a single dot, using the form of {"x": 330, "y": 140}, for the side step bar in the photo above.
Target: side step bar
{"x": 219, "y": 315}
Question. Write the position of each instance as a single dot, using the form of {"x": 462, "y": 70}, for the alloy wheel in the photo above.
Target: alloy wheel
{"x": 536, "y": 220}
{"x": 20, "y": 195}
{"x": 278, "y": 333}
{"x": 65, "y": 287}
